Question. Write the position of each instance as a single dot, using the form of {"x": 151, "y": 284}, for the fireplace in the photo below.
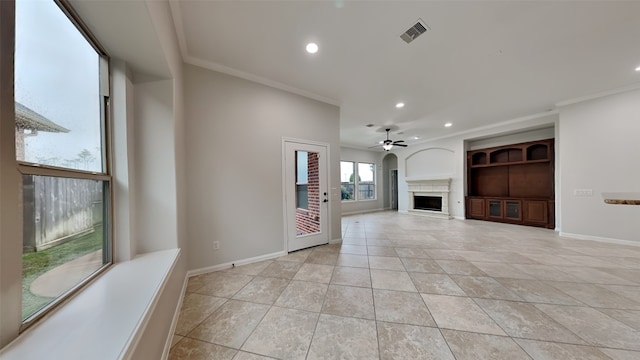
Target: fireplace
{"x": 429, "y": 197}
{"x": 433, "y": 203}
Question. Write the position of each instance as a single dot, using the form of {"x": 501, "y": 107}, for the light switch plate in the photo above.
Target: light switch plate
{"x": 583, "y": 192}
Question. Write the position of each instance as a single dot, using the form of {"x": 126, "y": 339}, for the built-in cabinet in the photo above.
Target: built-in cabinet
{"x": 513, "y": 183}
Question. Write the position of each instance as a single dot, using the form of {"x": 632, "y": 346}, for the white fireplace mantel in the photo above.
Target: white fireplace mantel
{"x": 430, "y": 187}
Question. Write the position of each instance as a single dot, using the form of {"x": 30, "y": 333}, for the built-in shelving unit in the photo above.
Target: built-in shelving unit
{"x": 512, "y": 183}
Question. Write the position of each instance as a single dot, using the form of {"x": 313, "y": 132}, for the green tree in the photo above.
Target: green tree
{"x": 86, "y": 157}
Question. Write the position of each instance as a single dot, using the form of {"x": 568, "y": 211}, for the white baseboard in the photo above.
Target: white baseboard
{"x": 362, "y": 211}
{"x": 407, "y": 212}
{"x": 600, "y": 239}
{"x": 230, "y": 264}
{"x": 174, "y": 321}
{"x": 335, "y": 241}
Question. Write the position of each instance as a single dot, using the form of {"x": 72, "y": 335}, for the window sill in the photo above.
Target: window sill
{"x": 105, "y": 320}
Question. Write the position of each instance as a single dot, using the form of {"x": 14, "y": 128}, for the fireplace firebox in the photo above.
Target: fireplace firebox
{"x": 429, "y": 197}
{"x": 433, "y": 203}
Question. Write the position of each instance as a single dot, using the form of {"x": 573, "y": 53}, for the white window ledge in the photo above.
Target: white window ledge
{"x": 105, "y": 320}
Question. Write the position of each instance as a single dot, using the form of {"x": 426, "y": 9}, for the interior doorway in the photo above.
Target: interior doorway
{"x": 390, "y": 191}
{"x": 306, "y": 194}
{"x": 393, "y": 189}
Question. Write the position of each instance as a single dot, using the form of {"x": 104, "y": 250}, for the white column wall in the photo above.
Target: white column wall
{"x": 600, "y": 151}
{"x": 155, "y": 193}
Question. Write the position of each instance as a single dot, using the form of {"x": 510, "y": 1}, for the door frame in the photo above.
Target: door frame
{"x": 393, "y": 191}
{"x": 327, "y": 146}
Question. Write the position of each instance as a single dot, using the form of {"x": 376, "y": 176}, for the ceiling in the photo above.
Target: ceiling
{"x": 480, "y": 63}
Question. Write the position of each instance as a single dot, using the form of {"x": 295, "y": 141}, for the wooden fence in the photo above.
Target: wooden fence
{"x": 56, "y": 209}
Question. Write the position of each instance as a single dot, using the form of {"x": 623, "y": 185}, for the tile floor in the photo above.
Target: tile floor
{"x": 410, "y": 287}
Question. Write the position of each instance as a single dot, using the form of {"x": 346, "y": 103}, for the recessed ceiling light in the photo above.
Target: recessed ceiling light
{"x": 638, "y": 68}
{"x": 400, "y": 105}
{"x": 448, "y": 125}
{"x": 416, "y": 137}
{"x": 312, "y": 48}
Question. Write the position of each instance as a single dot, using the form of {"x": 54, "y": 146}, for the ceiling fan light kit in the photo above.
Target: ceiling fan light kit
{"x": 388, "y": 144}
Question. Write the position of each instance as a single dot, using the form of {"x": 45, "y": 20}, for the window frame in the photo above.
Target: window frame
{"x": 298, "y": 184}
{"x": 356, "y": 181}
{"x": 105, "y": 175}
{"x": 372, "y": 182}
{"x": 353, "y": 183}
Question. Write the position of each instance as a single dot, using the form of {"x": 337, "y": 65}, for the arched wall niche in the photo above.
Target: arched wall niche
{"x": 430, "y": 163}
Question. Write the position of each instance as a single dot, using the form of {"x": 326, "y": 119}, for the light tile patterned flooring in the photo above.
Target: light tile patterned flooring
{"x": 410, "y": 287}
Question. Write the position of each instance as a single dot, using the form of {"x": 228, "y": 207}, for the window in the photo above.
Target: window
{"x": 366, "y": 181}
{"x": 347, "y": 180}
{"x": 302, "y": 180}
{"x": 61, "y": 101}
{"x": 363, "y": 179}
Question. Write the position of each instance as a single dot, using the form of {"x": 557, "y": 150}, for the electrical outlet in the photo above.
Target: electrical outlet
{"x": 583, "y": 192}
{"x": 216, "y": 245}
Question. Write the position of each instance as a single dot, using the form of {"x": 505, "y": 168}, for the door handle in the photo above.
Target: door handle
{"x": 325, "y": 200}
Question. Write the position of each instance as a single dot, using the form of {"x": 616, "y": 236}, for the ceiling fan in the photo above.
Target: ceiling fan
{"x": 388, "y": 144}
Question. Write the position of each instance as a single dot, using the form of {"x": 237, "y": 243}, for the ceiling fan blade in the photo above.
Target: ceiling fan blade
{"x": 398, "y": 141}
{"x": 402, "y": 145}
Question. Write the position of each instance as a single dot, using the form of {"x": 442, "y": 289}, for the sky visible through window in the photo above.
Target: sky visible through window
{"x": 303, "y": 171}
{"x": 346, "y": 171}
{"x": 57, "y": 76}
{"x": 365, "y": 172}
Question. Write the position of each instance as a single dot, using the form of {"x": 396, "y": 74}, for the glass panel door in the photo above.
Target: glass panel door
{"x": 512, "y": 210}
{"x": 306, "y": 195}
{"x": 495, "y": 208}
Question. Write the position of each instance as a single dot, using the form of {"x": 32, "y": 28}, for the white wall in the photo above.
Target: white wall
{"x": 172, "y": 142}
{"x": 374, "y": 157}
{"x": 600, "y": 150}
{"x": 234, "y": 161}
{"x": 433, "y": 162}
{"x": 155, "y": 190}
{"x": 123, "y": 165}
{"x": 163, "y": 24}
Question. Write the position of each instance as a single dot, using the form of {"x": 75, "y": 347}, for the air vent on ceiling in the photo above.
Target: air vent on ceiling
{"x": 416, "y": 30}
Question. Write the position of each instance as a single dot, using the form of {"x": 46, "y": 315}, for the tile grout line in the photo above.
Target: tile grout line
{"x": 373, "y": 300}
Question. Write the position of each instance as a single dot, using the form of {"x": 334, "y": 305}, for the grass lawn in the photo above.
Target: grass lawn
{"x": 37, "y": 263}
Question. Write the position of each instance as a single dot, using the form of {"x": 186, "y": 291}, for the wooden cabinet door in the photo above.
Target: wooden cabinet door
{"x": 535, "y": 211}
{"x": 477, "y": 208}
